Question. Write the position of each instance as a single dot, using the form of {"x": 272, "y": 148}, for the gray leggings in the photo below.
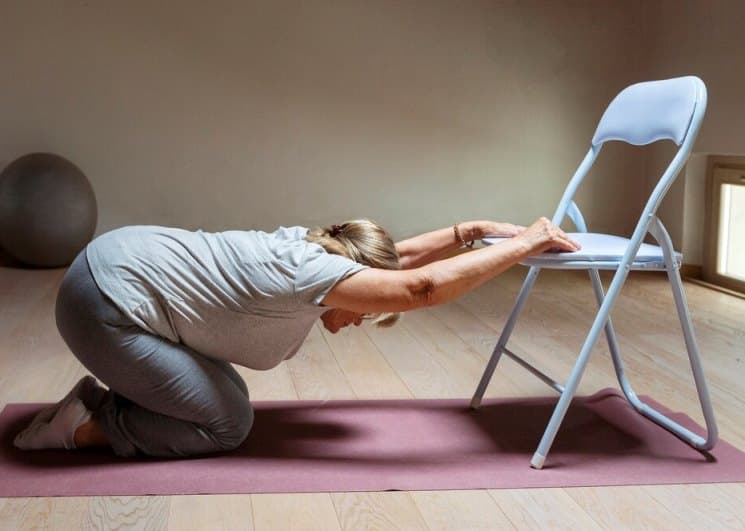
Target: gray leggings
{"x": 164, "y": 399}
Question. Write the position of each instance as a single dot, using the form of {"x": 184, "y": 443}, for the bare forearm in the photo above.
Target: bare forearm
{"x": 430, "y": 246}
{"x": 453, "y": 277}
{"x": 378, "y": 290}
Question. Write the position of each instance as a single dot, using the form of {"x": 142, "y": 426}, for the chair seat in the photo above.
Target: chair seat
{"x": 599, "y": 251}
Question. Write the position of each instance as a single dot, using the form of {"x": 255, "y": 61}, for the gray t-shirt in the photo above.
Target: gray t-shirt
{"x": 248, "y": 297}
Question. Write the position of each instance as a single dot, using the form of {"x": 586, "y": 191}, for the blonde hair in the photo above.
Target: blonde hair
{"x": 365, "y": 242}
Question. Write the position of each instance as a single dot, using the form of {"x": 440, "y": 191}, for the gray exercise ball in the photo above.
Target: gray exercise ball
{"x": 47, "y": 210}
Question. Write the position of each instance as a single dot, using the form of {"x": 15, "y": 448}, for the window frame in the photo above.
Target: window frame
{"x": 735, "y": 166}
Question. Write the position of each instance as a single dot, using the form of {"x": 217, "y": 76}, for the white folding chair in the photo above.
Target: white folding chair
{"x": 643, "y": 113}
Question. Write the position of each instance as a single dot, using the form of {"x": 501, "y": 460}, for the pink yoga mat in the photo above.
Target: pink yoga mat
{"x": 375, "y": 445}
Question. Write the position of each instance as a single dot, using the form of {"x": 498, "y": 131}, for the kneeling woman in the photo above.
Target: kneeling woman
{"x": 159, "y": 314}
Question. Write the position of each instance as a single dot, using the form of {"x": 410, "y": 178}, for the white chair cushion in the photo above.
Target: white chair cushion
{"x": 596, "y": 248}
{"x": 651, "y": 111}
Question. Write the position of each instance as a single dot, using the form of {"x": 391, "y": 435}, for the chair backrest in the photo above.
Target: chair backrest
{"x": 655, "y": 110}
{"x": 671, "y": 109}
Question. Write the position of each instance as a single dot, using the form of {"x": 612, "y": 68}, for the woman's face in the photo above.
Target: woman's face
{"x": 336, "y": 319}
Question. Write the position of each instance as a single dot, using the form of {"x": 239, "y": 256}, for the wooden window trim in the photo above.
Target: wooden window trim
{"x": 711, "y": 228}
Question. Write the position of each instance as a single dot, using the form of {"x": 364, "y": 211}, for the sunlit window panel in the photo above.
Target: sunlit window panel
{"x": 731, "y": 244}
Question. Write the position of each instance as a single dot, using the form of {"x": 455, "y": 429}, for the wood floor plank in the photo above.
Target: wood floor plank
{"x": 701, "y": 505}
{"x": 301, "y": 512}
{"x": 445, "y": 347}
{"x": 461, "y": 509}
{"x": 224, "y": 512}
{"x": 26, "y": 513}
{"x": 543, "y": 509}
{"x": 628, "y": 507}
{"x": 481, "y": 340}
{"x": 43, "y": 513}
{"x": 34, "y": 345}
{"x": 421, "y": 373}
{"x": 378, "y": 510}
{"x": 275, "y": 384}
{"x": 21, "y": 289}
{"x": 733, "y": 495}
{"x": 724, "y": 363}
{"x": 67, "y": 513}
{"x": 315, "y": 372}
{"x": 365, "y": 368}
{"x": 127, "y": 512}
{"x": 540, "y": 347}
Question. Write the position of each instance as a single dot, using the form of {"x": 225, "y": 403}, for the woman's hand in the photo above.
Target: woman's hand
{"x": 545, "y": 236}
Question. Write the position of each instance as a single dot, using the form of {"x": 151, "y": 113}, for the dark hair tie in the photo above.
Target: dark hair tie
{"x": 335, "y": 231}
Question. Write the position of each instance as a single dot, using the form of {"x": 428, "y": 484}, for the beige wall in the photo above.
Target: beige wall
{"x": 255, "y": 114}
{"x": 704, "y": 38}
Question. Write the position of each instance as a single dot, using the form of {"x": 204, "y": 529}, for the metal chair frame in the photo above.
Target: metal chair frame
{"x": 617, "y": 124}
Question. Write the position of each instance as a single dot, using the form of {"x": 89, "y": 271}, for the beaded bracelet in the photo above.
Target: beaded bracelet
{"x": 459, "y": 238}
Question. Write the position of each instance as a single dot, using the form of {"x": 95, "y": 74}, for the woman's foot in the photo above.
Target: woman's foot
{"x": 59, "y": 432}
{"x": 55, "y": 426}
{"x": 46, "y": 414}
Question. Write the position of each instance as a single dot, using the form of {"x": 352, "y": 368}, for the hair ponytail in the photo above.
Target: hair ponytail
{"x": 365, "y": 242}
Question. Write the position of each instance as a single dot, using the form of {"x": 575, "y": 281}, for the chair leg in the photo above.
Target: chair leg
{"x": 694, "y": 358}
{"x": 601, "y": 318}
{"x": 654, "y": 415}
{"x": 687, "y": 436}
{"x": 610, "y": 335}
{"x": 528, "y": 283}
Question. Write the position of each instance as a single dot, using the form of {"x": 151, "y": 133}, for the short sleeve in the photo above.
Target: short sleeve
{"x": 290, "y": 233}
{"x": 319, "y": 272}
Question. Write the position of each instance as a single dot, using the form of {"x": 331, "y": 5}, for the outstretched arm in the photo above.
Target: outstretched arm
{"x": 378, "y": 290}
{"x": 431, "y": 246}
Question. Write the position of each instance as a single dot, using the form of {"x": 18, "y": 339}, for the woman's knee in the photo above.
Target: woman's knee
{"x": 231, "y": 431}
{"x": 228, "y": 369}
{"x": 240, "y": 382}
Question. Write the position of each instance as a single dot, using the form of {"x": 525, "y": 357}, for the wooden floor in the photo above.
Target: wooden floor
{"x": 439, "y": 352}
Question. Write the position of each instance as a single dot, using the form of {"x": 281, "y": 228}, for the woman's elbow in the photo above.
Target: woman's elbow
{"x": 423, "y": 292}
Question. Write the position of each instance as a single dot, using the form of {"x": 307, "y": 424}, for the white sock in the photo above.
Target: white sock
{"x": 59, "y": 432}
{"x": 47, "y": 414}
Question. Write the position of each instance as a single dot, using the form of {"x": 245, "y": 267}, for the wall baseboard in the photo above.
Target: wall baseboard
{"x": 716, "y": 287}
{"x": 695, "y": 273}
{"x": 691, "y": 271}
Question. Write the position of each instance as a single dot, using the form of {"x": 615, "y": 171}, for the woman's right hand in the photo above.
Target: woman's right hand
{"x": 543, "y": 236}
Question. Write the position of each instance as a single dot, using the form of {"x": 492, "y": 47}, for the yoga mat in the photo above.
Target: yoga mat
{"x": 375, "y": 445}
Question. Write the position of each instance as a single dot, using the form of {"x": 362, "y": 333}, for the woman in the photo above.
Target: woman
{"x": 159, "y": 314}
